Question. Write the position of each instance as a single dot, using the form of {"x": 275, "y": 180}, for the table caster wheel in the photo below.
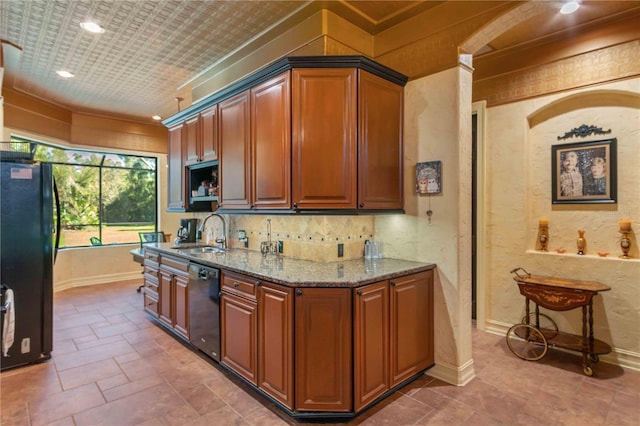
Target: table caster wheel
{"x": 527, "y": 342}
{"x": 588, "y": 371}
{"x": 595, "y": 358}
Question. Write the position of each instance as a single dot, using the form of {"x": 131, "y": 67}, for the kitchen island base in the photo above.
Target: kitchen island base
{"x": 328, "y": 348}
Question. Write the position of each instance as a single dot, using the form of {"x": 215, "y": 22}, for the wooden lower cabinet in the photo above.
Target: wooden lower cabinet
{"x": 173, "y": 303}
{"x": 393, "y": 334}
{"x": 256, "y": 320}
{"x": 275, "y": 342}
{"x": 411, "y": 325}
{"x": 323, "y": 349}
{"x": 238, "y": 324}
{"x": 151, "y": 285}
{"x": 371, "y": 343}
{"x": 323, "y": 373}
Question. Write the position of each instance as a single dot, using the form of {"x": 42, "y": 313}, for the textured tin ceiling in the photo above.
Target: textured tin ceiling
{"x": 148, "y": 50}
{"x": 153, "y": 47}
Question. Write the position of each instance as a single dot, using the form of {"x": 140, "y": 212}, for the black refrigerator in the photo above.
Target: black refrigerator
{"x": 27, "y": 250}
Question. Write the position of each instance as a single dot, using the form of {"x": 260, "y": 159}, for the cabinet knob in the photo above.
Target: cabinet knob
{"x": 252, "y": 206}
{"x": 258, "y": 283}
{"x": 393, "y": 283}
{"x": 295, "y": 205}
{"x": 359, "y": 292}
{"x": 361, "y": 205}
{"x": 235, "y": 284}
{"x": 298, "y": 292}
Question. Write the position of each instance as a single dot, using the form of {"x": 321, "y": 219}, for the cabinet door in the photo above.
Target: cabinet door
{"x": 165, "y": 312}
{"x": 192, "y": 141}
{"x": 235, "y": 156}
{"x": 275, "y": 342}
{"x": 411, "y": 323}
{"x": 209, "y": 133}
{"x": 323, "y": 349}
{"x": 271, "y": 143}
{"x": 181, "y": 304}
{"x": 380, "y": 110}
{"x": 324, "y": 114}
{"x": 176, "y": 173}
{"x": 238, "y": 322}
{"x": 371, "y": 343}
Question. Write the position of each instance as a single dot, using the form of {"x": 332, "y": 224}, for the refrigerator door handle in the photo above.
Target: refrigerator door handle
{"x": 4, "y": 308}
{"x": 58, "y": 225}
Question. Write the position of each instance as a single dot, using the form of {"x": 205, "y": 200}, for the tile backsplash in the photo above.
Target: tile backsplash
{"x": 303, "y": 237}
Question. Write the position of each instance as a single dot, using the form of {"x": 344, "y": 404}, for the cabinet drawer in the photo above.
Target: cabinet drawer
{"x": 174, "y": 263}
{"x": 240, "y": 284}
{"x": 151, "y": 282}
{"x": 150, "y": 271}
{"x": 151, "y": 303}
{"x": 151, "y": 256}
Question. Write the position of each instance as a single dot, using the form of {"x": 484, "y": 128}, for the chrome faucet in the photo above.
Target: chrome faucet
{"x": 222, "y": 241}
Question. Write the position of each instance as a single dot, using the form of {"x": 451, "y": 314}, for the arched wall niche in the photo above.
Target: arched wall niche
{"x": 594, "y": 98}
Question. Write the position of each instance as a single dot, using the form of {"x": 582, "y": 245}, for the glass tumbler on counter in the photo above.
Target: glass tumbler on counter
{"x": 372, "y": 249}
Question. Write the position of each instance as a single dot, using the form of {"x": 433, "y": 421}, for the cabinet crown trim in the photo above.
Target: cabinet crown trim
{"x": 285, "y": 64}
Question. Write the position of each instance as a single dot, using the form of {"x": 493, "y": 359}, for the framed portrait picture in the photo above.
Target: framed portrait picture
{"x": 429, "y": 177}
{"x": 584, "y": 172}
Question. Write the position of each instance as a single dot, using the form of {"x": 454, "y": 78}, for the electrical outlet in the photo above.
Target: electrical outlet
{"x": 25, "y": 345}
{"x": 340, "y": 249}
{"x": 280, "y": 246}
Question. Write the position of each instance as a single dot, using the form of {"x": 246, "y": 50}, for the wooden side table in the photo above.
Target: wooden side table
{"x": 529, "y": 339}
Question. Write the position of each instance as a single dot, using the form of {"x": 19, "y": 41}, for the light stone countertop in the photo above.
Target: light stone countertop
{"x": 295, "y": 272}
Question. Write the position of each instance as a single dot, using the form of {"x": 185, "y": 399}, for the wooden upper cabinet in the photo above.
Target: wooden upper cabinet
{"x": 176, "y": 176}
{"x": 411, "y": 325}
{"x": 380, "y": 112}
{"x": 192, "y": 140}
{"x": 209, "y": 134}
{"x": 235, "y": 152}
{"x": 201, "y": 137}
{"x": 271, "y": 143}
{"x": 324, "y": 132}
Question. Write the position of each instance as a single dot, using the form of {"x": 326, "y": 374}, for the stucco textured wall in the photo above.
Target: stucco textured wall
{"x": 518, "y": 177}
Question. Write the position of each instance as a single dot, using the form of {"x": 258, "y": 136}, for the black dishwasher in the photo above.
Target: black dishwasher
{"x": 204, "y": 309}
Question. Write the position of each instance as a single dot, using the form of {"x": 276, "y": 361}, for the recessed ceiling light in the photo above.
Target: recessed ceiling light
{"x": 569, "y": 7}
{"x": 156, "y": 117}
{"x": 92, "y": 27}
{"x": 65, "y": 74}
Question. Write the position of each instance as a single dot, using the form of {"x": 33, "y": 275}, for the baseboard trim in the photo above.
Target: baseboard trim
{"x": 95, "y": 280}
{"x": 458, "y": 376}
{"x": 622, "y": 357}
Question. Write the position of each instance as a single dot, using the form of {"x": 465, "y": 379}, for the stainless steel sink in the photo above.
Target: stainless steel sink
{"x": 207, "y": 249}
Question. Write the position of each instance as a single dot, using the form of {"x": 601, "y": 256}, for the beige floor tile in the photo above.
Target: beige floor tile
{"x": 112, "y": 365}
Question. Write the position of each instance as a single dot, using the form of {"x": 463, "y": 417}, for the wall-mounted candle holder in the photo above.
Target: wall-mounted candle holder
{"x": 625, "y": 242}
{"x": 543, "y": 234}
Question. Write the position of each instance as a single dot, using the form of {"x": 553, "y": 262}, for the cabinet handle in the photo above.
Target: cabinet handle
{"x": 359, "y": 292}
{"x": 298, "y": 292}
{"x": 393, "y": 283}
{"x": 258, "y": 283}
{"x": 361, "y": 205}
{"x": 235, "y": 284}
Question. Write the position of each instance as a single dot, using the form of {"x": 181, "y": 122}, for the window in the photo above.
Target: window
{"x": 105, "y": 197}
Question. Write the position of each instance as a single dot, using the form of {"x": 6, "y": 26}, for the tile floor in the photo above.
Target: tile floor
{"x": 112, "y": 366}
